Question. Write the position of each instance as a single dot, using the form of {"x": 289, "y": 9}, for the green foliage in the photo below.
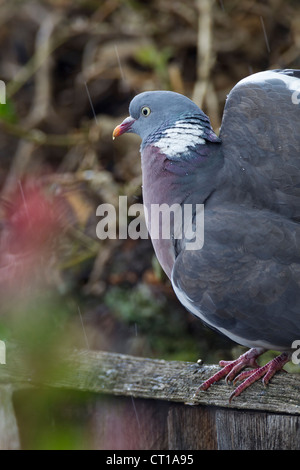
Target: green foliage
{"x": 135, "y": 305}
{"x": 157, "y": 269}
{"x": 156, "y": 59}
{"x": 59, "y": 417}
{"x": 161, "y": 326}
{"x": 8, "y": 112}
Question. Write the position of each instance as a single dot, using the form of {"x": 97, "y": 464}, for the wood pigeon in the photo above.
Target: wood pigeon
{"x": 244, "y": 278}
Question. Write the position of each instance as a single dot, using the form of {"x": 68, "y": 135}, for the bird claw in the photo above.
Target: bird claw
{"x": 232, "y": 368}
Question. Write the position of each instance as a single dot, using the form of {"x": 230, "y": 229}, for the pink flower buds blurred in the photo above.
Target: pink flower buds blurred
{"x": 30, "y": 225}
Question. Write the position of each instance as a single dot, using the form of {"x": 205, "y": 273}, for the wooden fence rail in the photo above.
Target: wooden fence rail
{"x": 150, "y": 400}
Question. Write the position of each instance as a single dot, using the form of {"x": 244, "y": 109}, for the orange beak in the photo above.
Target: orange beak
{"x": 125, "y": 126}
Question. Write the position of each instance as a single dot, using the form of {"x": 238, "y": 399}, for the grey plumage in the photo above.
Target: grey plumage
{"x": 245, "y": 280}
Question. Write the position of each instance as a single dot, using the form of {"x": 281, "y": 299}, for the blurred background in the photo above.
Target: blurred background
{"x": 70, "y": 69}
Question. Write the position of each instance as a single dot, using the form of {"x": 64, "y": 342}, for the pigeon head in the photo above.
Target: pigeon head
{"x": 160, "y": 117}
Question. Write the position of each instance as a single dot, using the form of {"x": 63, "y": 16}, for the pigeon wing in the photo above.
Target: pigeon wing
{"x": 260, "y": 131}
{"x": 245, "y": 280}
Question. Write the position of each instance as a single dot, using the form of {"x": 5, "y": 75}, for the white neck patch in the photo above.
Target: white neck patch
{"x": 177, "y": 139}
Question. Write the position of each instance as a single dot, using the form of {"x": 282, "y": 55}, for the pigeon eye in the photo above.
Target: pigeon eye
{"x": 145, "y": 111}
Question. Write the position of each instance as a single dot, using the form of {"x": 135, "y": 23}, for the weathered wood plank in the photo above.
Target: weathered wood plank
{"x": 192, "y": 428}
{"x": 121, "y": 423}
{"x": 124, "y": 375}
{"x": 239, "y": 430}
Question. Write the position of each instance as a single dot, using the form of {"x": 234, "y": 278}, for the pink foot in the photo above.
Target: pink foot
{"x": 267, "y": 371}
{"x": 232, "y": 368}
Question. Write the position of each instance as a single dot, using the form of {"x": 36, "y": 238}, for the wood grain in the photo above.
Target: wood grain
{"x": 173, "y": 381}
